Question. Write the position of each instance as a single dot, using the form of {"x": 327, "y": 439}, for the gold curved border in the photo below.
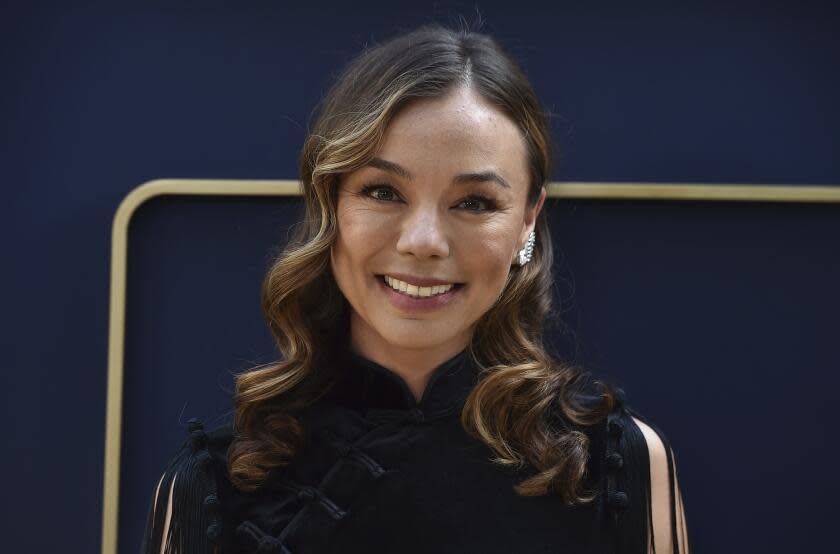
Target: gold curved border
{"x": 116, "y": 317}
{"x": 695, "y": 191}
{"x": 137, "y": 197}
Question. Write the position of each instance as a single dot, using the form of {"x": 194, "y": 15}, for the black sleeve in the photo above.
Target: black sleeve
{"x": 628, "y": 485}
{"x": 194, "y": 525}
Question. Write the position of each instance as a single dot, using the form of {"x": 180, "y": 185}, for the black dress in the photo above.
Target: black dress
{"x": 382, "y": 473}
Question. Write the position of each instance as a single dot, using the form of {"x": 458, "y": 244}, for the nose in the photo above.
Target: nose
{"x": 423, "y": 234}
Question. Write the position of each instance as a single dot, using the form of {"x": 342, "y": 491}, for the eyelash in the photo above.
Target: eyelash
{"x": 489, "y": 202}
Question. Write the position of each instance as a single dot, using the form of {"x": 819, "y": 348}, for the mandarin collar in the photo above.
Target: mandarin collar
{"x": 368, "y": 386}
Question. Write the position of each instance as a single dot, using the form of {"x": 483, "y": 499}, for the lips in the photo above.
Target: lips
{"x": 419, "y": 281}
{"x": 381, "y": 277}
{"x": 419, "y": 304}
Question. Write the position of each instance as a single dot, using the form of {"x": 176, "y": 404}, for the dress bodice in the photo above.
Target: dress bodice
{"x": 378, "y": 471}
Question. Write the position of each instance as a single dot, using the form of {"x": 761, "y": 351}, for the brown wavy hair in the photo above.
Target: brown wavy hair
{"x": 526, "y": 406}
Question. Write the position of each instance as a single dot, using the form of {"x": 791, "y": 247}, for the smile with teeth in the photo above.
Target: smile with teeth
{"x": 415, "y": 291}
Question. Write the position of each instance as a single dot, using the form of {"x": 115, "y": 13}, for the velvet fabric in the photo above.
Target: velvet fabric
{"x": 382, "y": 473}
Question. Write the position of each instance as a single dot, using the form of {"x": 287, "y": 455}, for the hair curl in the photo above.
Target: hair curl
{"x": 526, "y": 406}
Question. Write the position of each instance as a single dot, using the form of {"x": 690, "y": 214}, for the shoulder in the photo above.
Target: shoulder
{"x": 641, "y": 487}
{"x": 203, "y": 453}
{"x": 665, "y": 498}
{"x": 184, "y": 514}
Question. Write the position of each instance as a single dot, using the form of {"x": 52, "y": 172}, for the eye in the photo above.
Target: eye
{"x": 490, "y": 204}
{"x": 386, "y": 193}
{"x": 370, "y": 190}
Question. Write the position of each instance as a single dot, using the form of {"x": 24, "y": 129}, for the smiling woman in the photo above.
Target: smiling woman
{"x": 444, "y": 202}
{"x": 415, "y": 407}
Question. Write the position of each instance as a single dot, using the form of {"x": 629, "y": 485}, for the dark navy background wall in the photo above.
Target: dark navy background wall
{"x": 97, "y": 98}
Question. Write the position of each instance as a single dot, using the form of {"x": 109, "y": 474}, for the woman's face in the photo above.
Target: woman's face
{"x": 444, "y": 198}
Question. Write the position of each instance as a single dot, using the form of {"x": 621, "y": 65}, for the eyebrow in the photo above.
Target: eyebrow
{"x": 488, "y": 176}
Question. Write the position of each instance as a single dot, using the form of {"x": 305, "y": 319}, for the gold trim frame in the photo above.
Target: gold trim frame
{"x": 203, "y": 187}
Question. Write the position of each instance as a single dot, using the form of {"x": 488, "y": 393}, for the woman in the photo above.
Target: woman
{"x": 415, "y": 408}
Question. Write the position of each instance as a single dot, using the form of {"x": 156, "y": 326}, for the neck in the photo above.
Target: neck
{"x": 414, "y": 364}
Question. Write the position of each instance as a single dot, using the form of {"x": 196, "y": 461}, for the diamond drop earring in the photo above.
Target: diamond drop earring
{"x": 528, "y": 250}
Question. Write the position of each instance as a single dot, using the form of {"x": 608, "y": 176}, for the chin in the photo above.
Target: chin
{"x": 422, "y": 337}
{"x": 414, "y": 342}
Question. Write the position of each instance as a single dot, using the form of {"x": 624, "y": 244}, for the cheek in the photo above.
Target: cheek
{"x": 356, "y": 224}
{"x": 489, "y": 257}
{"x": 357, "y": 240}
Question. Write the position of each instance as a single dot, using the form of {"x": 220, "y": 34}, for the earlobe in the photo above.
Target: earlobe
{"x": 523, "y": 255}
{"x": 538, "y": 206}
{"x": 531, "y": 220}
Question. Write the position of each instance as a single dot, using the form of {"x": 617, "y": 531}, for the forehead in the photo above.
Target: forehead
{"x": 460, "y": 131}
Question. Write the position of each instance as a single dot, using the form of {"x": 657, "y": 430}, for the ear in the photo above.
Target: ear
{"x": 529, "y": 223}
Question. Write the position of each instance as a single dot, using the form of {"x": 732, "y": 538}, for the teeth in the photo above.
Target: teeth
{"x": 414, "y": 290}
